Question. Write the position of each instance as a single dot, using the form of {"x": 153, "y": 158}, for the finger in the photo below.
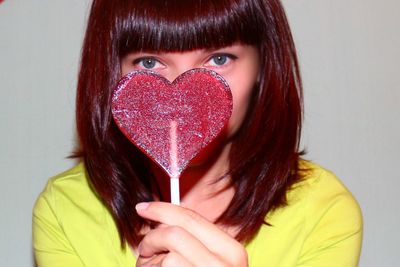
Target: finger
{"x": 177, "y": 240}
{"x": 150, "y": 261}
{"x": 206, "y": 232}
{"x": 173, "y": 259}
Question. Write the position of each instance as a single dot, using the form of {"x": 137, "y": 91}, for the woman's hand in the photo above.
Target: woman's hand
{"x": 184, "y": 238}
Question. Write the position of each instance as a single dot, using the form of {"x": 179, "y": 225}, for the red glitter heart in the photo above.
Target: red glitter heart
{"x": 145, "y": 105}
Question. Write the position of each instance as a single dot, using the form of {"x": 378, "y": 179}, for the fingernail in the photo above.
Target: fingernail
{"x": 142, "y": 206}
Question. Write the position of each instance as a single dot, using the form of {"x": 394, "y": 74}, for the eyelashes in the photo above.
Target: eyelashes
{"x": 218, "y": 60}
{"x": 221, "y": 59}
{"x": 148, "y": 63}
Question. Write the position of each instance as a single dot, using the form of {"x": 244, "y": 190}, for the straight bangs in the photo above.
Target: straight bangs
{"x": 174, "y": 26}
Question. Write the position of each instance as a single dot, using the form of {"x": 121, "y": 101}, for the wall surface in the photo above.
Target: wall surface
{"x": 349, "y": 54}
{"x": 39, "y": 53}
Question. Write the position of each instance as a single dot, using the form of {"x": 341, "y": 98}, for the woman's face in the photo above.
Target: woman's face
{"x": 238, "y": 64}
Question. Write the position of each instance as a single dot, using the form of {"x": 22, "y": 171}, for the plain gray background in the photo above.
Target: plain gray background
{"x": 349, "y": 54}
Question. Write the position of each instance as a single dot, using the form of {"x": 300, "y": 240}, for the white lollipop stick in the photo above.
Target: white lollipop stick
{"x": 173, "y": 155}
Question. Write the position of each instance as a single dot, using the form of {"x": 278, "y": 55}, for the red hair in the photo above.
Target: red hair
{"x": 264, "y": 156}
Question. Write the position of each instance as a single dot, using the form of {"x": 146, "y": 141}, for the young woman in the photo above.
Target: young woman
{"x": 247, "y": 200}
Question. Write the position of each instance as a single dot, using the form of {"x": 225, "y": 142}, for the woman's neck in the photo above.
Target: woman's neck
{"x": 205, "y": 187}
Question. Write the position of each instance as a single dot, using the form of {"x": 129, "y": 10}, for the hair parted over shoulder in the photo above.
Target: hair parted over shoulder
{"x": 265, "y": 152}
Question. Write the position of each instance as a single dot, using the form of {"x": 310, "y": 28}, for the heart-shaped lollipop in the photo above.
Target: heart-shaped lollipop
{"x": 172, "y": 122}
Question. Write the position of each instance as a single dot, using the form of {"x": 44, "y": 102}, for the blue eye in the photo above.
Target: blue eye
{"x": 147, "y": 63}
{"x": 220, "y": 59}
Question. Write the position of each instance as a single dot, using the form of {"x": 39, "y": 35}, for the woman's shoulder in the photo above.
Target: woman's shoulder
{"x": 318, "y": 187}
{"x": 321, "y": 193}
{"x": 321, "y": 222}
{"x": 72, "y": 183}
{"x": 68, "y": 199}
{"x": 318, "y": 191}
{"x": 71, "y": 198}
{"x": 69, "y": 216}
{"x": 314, "y": 177}
{"x": 69, "y": 190}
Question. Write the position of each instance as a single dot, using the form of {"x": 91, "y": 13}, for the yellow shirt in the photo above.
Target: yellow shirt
{"x": 321, "y": 226}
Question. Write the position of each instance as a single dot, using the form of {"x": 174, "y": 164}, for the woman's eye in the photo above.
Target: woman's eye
{"x": 220, "y": 60}
{"x": 147, "y": 63}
